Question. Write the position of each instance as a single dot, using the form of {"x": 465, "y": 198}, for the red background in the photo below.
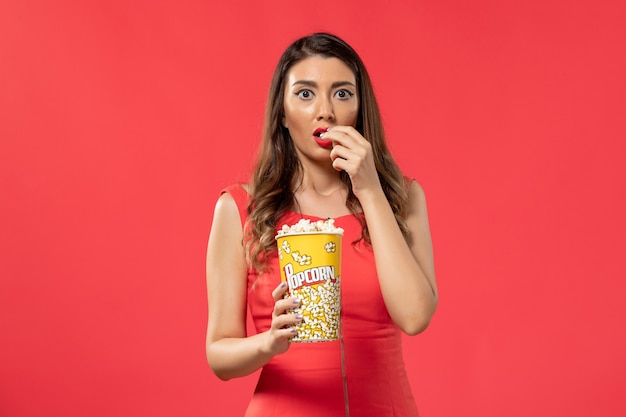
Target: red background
{"x": 121, "y": 121}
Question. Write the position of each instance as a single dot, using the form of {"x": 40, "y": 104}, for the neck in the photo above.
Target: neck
{"x": 322, "y": 180}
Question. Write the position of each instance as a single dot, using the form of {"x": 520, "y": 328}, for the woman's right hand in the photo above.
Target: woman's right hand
{"x": 278, "y": 337}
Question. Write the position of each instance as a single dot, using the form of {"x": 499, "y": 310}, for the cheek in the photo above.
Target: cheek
{"x": 289, "y": 120}
{"x": 296, "y": 115}
{"x": 352, "y": 117}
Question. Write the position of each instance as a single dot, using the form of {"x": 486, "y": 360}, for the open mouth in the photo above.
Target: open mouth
{"x": 324, "y": 143}
{"x": 319, "y": 131}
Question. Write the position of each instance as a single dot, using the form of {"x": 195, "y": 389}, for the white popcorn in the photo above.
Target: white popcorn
{"x": 306, "y": 226}
{"x": 320, "y": 306}
{"x": 302, "y": 260}
{"x": 330, "y": 247}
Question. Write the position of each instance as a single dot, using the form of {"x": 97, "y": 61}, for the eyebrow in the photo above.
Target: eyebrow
{"x": 314, "y": 84}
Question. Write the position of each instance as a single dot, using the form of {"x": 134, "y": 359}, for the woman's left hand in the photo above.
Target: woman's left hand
{"x": 353, "y": 153}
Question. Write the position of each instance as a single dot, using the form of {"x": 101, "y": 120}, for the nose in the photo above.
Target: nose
{"x": 325, "y": 109}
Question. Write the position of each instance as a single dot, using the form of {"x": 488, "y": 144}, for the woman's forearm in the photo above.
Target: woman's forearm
{"x": 236, "y": 357}
{"x": 406, "y": 273}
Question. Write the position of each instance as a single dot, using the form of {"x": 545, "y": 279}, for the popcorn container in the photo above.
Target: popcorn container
{"x": 310, "y": 263}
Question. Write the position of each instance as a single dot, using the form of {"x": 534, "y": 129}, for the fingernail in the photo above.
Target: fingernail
{"x": 283, "y": 284}
{"x": 296, "y": 301}
{"x": 299, "y": 316}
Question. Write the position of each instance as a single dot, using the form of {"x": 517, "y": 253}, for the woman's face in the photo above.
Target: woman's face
{"x": 319, "y": 93}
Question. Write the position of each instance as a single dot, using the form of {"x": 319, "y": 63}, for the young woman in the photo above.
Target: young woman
{"x": 323, "y": 155}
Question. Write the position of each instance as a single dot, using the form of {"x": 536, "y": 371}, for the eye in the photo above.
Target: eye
{"x": 344, "y": 94}
{"x": 305, "y": 94}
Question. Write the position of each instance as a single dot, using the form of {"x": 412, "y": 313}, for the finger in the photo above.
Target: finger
{"x": 340, "y": 139}
{"x": 287, "y": 333}
{"x": 344, "y": 135}
{"x": 341, "y": 164}
{"x": 286, "y": 320}
{"x": 279, "y": 291}
{"x": 281, "y": 306}
{"x": 348, "y": 130}
{"x": 346, "y": 159}
{"x": 340, "y": 151}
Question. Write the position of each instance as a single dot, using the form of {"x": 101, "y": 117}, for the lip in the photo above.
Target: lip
{"x": 324, "y": 143}
{"x": 319, "y": 131}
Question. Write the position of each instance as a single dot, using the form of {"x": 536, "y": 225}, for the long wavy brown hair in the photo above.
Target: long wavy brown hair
{"x": 277, "y": 172}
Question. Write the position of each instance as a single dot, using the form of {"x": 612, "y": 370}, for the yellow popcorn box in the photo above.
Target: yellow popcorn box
{"x": 310, "y": 263}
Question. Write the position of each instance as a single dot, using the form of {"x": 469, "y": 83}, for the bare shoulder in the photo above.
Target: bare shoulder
{"x": 415, "y": 187}
{"x": 417, "y": 195}
{"x": 416, "y": 191}
{"x": 225, "y": 204}
{"x": 226, "y": 214}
